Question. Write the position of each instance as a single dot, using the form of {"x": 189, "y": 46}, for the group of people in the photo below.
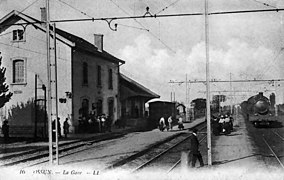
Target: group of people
{"x": 95, "y": 124}
{"x": 104, "y": 123}
{"x": 223, "y": 124}
{"x": 168, "y": 124}
{"x": 65, "y": 128}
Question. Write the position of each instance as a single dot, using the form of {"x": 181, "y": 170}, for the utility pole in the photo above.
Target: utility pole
{"x": 48, "y": 84}
{"x": 231, "y": 95}
{"x": 276, "y": 107}
{"x": 186, "y": 99}
{"x": 56, "y": 96}
{"x": 208, "y": 85}
{"x": 35, "y": 106}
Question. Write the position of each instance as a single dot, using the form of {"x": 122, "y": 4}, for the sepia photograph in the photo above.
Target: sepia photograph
{"x": 142, "y": 89}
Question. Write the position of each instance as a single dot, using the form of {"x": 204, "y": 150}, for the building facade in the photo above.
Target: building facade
{"x": 87, "y": 76}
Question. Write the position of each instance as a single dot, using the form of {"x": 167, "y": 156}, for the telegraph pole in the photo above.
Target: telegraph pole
{"x": 56, "y": 96}
{"x": 48, "y": 84}
{"x": 276, "y": 108}
{"x": 186, "y": 98}
{"x": 231, "y": 94}
{"x": 208, "y": 85}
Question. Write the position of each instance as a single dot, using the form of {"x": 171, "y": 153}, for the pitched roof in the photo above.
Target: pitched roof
{"x": 131, "y": 88}
{"x": 76, "y": 41}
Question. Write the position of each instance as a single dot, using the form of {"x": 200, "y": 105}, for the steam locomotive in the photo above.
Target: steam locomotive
{"x": 258, "y": 110}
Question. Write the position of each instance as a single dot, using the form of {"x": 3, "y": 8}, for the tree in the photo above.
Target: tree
{"x": 4, "y": 88}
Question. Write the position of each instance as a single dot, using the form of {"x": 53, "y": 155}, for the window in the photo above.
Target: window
{"x": 19, "y": 71}
{"x": 100, "y": 107}
{"x": 99, "y": 81}
{"x": 18, "y": 35}
{"x": 110, "y": 85}
{"x": 85, "y": 108}
{"x": 85, "y": 73}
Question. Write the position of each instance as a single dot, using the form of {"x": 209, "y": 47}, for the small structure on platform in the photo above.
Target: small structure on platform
{"x": 133, "y": 97}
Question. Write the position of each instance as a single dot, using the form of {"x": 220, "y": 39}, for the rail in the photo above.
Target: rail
{"x": 281, "y": 164}
{"x": 160, "y": 154}
{"x": 277, "y": 134}
{"x": 180, "y": 159}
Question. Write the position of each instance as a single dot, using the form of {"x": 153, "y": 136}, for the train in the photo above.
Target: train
{"x": 258, "y": 110}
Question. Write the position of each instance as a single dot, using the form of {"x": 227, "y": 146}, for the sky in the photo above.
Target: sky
{"x": 241, "y": 46}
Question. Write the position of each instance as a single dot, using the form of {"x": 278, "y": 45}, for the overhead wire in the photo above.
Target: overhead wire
{"x": 29, "y": 6}
{"x": 29, "y": 50}
{"x": 163, "y": 9}
{"x": 134, "y": 27}
{"x": 6, "y": 33}
{"x": 155, "y": 36}
{"x": 76, "y": 9}
{"x": 265, "y": 4}
{"x": 143, "y": 27}
{"x": 267, "y": 68}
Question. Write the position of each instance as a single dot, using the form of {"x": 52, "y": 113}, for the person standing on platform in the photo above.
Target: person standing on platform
{"x": 5, "y": 131}
{"x": 103, "y": 121}
{"x": 66, "y": 127}
{"x": 170, "y": 121}
{"x": 59, "y": 127}
{"x": 180, "y": 123}
{"x": 162, "y": 124}
{"x": 195, "y": 149}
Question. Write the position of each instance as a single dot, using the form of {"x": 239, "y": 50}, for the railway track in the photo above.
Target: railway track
{"x": 164, "y": 156}
{"x": 276, "y": 152}
{"x": 40, "y": 155}
{"x": 179, "y": 161}
{"x": 273, "y": 152}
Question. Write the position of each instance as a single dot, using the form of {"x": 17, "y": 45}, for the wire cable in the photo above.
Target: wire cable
{"x": 29, "y": 50}
{"x": 265, "y": 4}
{"x": 75, "y": 8}
{"x": 271, "y": 62}
{"x": 6, "y": 33}
{"x": 133, "y": 27}
{"x": 143, "y": 26}
{"x": 29, "y": 6}
{"x": 167, "y": 6}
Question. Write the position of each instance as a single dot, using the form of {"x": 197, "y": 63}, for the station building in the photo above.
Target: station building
{"x": 87, "y": 75}
{"x": 88, "y": 78}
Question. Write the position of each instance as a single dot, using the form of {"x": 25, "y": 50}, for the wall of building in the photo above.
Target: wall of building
{"x": 134, "y": 107}
{"x": 33, "y": 51}
{"x": 91, "y": 91}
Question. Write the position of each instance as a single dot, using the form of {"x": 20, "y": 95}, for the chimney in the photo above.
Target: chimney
{"x": 43, "y": 14}
{"x": 99, "y": 41}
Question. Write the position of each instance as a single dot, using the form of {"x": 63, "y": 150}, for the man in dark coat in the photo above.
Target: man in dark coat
{"x": 195, "y": 149}
{"x": 5, "y": 131}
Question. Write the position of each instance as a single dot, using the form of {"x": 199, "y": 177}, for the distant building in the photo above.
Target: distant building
{"x": 180, "y": 109}
{"x": 88, "y": 76}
